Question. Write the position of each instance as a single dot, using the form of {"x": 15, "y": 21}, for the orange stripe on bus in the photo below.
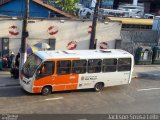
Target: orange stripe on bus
{"x": 37, "y": 89}
{"x": 59, "y": 82}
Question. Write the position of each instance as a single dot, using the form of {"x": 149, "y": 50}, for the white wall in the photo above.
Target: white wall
{"x": 7, "y": 26}
{"x": 108, "y": 33}
{"x": 11, "y": 29}
{"x": 70, "y": 33}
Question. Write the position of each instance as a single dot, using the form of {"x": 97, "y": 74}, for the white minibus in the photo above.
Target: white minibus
{"x": 48, "y": 71}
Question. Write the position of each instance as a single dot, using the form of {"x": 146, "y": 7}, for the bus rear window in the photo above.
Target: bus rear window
{"x": 124, "y": 64}
{"x": 109, "y": 65}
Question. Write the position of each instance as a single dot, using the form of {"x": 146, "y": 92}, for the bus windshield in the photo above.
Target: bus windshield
{"x": 31, "y": 65}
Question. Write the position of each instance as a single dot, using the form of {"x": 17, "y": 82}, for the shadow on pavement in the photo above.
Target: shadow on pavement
{"x": 151, "y": 75}
{"x": 12, "y": 92}
{"x": 17, "y": 91}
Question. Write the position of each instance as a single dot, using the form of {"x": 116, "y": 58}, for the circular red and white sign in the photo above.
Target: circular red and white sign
{"x": 103, "y": 45}
{"x": 52, "y": 30}
{"x": 90, "y": 29}
{"x": 13, "y": 30}
{"x": 72, "y": 45}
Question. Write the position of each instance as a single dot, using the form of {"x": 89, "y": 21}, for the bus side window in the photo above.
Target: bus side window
{"x": 47, "y": 68}
{"x": 124, "y": 64}
{"x": 79, "y": 66}
{"x": 63, "y": 67}
{"x": 94, "y": 65}
{"x": 109, "y": 65}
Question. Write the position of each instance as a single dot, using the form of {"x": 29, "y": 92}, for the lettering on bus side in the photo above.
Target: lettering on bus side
{"x": 89, "y": 78}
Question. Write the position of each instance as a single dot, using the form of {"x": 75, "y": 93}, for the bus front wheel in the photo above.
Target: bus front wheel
{"x": 99, "y": 87}
{"x": 46, "y": 90}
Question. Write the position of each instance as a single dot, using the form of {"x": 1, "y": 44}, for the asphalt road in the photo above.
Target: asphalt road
{"x": 141, "y": 96}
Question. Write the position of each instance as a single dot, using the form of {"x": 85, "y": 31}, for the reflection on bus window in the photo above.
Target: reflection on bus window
{"x": 109, "y": 65}
{"x": 47, "y": 68}
{"x": 63, "y": 67}
{"x": 94, "y": 65}
{"x": 79, "y": 66}
{"x": 31, "y": 65}
{"x": 124, "y": 64}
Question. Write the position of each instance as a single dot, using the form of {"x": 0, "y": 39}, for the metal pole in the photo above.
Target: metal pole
{"x": 135, "y": 2}
{"x": 100, "y": 4}
{"x": 158, "y": 28}
{"x": 94, "y": 24}
{"x": 24, "y": 34}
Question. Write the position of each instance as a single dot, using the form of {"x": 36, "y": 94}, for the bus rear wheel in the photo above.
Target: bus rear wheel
{"x": 46, "y": 90}
{"x": 99, "y": 87}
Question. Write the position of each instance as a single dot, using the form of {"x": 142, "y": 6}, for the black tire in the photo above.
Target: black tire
{"x": 46, "y": 90}
{"x": 99, "y": 87}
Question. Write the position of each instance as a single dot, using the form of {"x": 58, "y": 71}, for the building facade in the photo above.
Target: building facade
{"x": 151, "y": 6}
{"x": 104, "y": 3}
{"x": 37, "y": 9}
{"x": 59, "y": 35}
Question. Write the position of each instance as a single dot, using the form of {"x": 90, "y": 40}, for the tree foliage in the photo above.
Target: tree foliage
{"x": 66, "y": 5}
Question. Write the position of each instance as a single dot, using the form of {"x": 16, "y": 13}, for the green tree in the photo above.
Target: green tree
{"x": 66, "y": 5}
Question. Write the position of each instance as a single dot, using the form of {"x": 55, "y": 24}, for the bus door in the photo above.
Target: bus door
{"x": 63, "y": 79}
{"x": 44, "y": 75}
{"x": 124, "y": 69}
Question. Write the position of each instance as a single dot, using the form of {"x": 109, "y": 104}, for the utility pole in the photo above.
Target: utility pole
{"x": 135, "y": 2}
{"x": 24, "y": 34}
{"x": 94, "y": 24}
{"x": 158, "y": 28}
{"x": 101, "y": 1}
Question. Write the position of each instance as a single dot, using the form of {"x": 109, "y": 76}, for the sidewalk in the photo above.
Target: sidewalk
{"x": 140, "y": 71}
{"x": 6, "y": 80}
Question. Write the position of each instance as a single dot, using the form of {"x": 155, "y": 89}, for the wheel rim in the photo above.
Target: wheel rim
{"x": 99, "y": 87}
{"x": 45, "y": 91}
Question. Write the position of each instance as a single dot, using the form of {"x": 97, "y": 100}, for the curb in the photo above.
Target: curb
{"x": 147, "y": 65}
{"x": 149, "y": 75}
{"x": 134, "y": 77}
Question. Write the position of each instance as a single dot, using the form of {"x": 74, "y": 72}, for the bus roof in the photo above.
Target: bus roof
{"x": 136, "y": 21}
{"x": 83, "y": 54}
